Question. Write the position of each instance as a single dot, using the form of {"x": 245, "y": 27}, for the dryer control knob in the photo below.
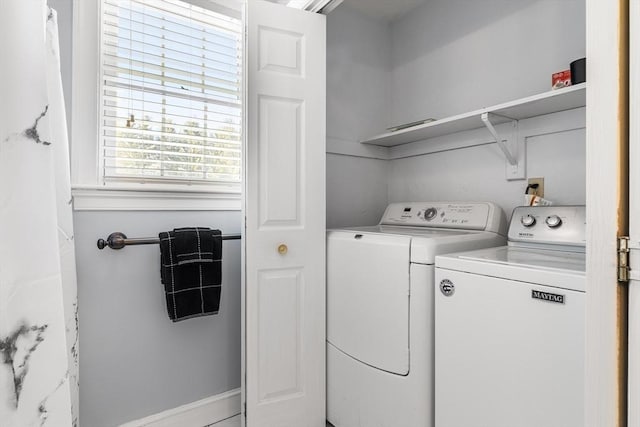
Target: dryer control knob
{"x": 430, "y": 213}
{"x": 528, "y": 220}
{"x": 553, "y": 221}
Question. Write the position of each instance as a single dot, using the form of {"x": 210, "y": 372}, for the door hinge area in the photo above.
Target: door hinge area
{"x": 623, "y": 259}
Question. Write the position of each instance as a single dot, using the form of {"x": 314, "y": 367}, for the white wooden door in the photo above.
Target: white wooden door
{"x": 284, "y": 282}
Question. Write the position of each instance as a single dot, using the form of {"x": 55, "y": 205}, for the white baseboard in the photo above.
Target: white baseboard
{"x": 196, "y": 414}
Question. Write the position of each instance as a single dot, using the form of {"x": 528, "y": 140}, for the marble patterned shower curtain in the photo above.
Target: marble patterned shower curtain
{"x": 38, "y": 327}
{"x": 62, "y": 174}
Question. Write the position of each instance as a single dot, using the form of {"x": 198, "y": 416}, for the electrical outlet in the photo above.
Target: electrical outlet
{"x": 538, "y": 191}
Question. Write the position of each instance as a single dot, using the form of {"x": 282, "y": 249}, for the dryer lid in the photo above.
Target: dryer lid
{"x": 427, "y": 243}
{"x": 368, "y": 298}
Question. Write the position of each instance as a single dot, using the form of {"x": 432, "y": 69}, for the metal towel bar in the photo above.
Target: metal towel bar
{"x": 118, "y": 240}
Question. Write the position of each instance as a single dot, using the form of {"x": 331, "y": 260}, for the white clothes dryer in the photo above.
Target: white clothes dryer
{"x": 380, "y": 284}
{"x": 510, "y": 326}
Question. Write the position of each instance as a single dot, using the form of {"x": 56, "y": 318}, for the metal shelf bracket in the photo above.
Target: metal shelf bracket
{"x": 512, "y": 146}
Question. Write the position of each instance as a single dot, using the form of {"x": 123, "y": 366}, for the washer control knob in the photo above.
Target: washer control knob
{"x": 553, "y": 221}
{"x": 430, "y": 213}
{"x": 528, "y": 220}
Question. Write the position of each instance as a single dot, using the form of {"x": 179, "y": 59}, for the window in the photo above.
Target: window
{"x": 156, "y": 109}
{"x": 170, "y": 92}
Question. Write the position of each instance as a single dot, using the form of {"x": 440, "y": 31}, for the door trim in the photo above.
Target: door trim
{"x": 607, "y": 190}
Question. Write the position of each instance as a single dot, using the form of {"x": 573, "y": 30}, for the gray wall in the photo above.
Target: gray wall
{"x": 134, "y": 361}
{"x": 477, "y": 173}
{"x": 454, "y": 56}
{"x": 358, "y": 73}
{"x": 356, "y": 190}
{"x": 448, "y": 57}
{"x": 358, "y": 79}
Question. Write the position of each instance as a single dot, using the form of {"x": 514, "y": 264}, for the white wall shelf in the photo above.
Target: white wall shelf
{"x": 545, "y": 103}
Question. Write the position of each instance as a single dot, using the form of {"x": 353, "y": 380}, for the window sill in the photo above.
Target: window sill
{"x": 157, "y": 199}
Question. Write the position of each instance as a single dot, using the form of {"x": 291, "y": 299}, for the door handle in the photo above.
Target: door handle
{"x": 282, "y": 249}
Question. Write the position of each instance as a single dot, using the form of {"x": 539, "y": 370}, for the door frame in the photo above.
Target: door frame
{"x": 607, "y": 210}
{"x": 607, "y": 152}
{"x": 633, "y": 400}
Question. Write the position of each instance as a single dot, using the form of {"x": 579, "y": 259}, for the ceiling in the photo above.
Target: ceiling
{"x": 380, "y": 9}
{"x": 383, "y": 9}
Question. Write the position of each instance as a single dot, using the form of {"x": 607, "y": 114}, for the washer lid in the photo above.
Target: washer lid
{"x": 561, "y": 269}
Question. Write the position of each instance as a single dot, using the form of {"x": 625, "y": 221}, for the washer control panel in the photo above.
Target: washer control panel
{"x": 468, "y": 216}
{"x": 560, "y": 225}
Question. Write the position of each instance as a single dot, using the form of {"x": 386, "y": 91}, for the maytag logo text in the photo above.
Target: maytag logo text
{"x": 546, "y": 296}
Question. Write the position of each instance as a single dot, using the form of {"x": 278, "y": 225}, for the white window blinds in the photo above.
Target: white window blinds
{"x": 170, "y": 92}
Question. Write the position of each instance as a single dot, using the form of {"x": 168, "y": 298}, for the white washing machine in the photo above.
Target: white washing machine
{"x": 380, "y": 308}
{"x": 510, "y": 326}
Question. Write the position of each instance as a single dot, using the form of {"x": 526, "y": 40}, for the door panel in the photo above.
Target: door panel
{"x": 280, "y": 143}
{"x": 281, "y": 51}
{"x": 280, "y": 322}
{"x": 284, "y": 283}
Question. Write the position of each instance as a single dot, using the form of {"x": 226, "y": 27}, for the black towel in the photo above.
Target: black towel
{"x": 190, "y": 270}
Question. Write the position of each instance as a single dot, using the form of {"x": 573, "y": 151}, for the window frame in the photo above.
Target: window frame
{"x": 90, "y": 191}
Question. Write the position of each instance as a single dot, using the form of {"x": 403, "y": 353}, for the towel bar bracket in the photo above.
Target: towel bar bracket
{"x": 114, "y": 241}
